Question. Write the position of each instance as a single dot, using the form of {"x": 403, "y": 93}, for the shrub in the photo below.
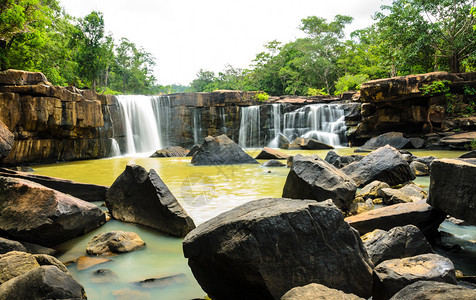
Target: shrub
{"x": 350, "y": 83}
{"x": 262, "y": 97}
{"x": 312, "y": 92}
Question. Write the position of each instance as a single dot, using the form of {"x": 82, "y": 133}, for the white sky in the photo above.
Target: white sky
{"x": 187, "y": 35}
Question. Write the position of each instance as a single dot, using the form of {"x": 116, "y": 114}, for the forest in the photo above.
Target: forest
{"x": 407, "y": 37}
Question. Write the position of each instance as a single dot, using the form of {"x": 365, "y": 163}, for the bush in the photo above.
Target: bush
{"x": 262, "y": 97}
{"x": 436, "y": 88}
{"x": 350, "y": 83}
{"x": 311, "y": 92}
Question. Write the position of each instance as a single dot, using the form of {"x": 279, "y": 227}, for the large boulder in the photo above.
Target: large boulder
{"x": 316, "y": 291}
{"x": 398, "y": 242}
{"x": 394, "y": 139}
{"x": 84, "y": 191}
{"x": 268, "y": 153}
{"x": 221, "y": 150}
{"x": 313, "y": 178}
{"x": 384, "y": 164}
{"x": 453, "y": 188}
{"x": 34, "y": 213}
{"x": 308, "y": 144}
{"x": 175, "y": 151}
{"x": 391, "y": 276}
{"x": 6, "y": 141}
{"x": 417, "y": 213}
{"x": 141, "y": 197}
{"x": 45, "y": 282}
{"x": 114, "y": 242}
{"x": 264, "y": 248}
{"x": 20, "y": 77}
{"x": 434, "y": 290}
{"x": 14, "y": 263}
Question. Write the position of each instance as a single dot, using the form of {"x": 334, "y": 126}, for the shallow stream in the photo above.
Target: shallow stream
{"x": 204, "y": 192}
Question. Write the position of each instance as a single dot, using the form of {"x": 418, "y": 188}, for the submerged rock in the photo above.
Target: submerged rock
{"x": 268, "y": 153}
{"x": 114, "y": 242}
{"x": 163, "y": 281}
{"x": 221, "y": 150}
{"x": 37, "y": 214}
{"x": 141, "y": 197}
{"x": 398, "y": 242}
{"x": 45, "y": 282}
{"x": 313, "y": 178}
{"x": 103, "y": 276}
{"x": 417, "y": 213}
{"x": 391, "y": 276}
{"x": 385, "y": 164}
{"x": 316, "y": 291}
{"x": 453, "y": 188}
{"x": 264, "y": 248}
{"x": 175, "y": 151}
{"x": 273, "y": 163}
{"x": 435, "y": 291}
{"x": 394, "y": 139}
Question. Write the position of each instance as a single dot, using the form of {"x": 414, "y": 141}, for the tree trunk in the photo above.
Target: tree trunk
{"x": 455, "y": 63}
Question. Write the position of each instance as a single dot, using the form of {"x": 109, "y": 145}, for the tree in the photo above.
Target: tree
{"x": 203, "y": 79}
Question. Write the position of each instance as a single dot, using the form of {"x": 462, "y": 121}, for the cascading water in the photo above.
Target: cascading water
{"x": 222, "y": 115}
{"x": 249, "y": 136}
{"x": 146, "y": 122}
{"x": 197, "y": 126}
{"x": 323, "y": 122}
{"x": 115, "y": 150}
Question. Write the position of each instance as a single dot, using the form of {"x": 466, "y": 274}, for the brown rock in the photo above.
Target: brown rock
{"x": 175, "y": 151}
{"x": 460, "y": 140}
{"x": 315, "y": 291}
{"x": 6, "y": 141}
{"x": 18, "y": 77}
{"x": 418, "y": 213}
{"x": 435, "y": 291}
{"x": 34, "y": 213}
{"x": 15, "y": 263}
{"x": 114, "y": 242}
{"x": 268, "y": 153}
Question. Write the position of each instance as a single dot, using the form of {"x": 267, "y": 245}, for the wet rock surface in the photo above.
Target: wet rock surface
{"x": 385, "y": 164}
{"x": 37, "y": 214}
{"x": 141, "y": 197}
{"x": 221, "y": 150}
{"x": 313, "y": 178}
{"x": 175, "y": 151}
{"x": 114, "y": 242}
{"x": 262, "y": 249}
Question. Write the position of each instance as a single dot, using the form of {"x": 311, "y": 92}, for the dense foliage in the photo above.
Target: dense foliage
{"x": 408, "y": 36}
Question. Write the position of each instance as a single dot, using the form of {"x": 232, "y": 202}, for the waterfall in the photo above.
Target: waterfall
{"x": 323, "y": 122}
{"x": 222, "y": 115}
{"x": 115, "y": 150}
{"x": 197, "y": 126}
{"x": 146, "y": 122}
{"x": 276, "y": 121}
{"x": 249, "y": 136}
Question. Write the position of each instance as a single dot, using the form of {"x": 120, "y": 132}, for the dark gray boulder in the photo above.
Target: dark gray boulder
{"x": 453, "y": 188}
{"x": 264, "y": 248}
{"x": 141, "y": 197}
{"x": 283, "y": 142}
{"x": 114, "y": 242}
{"x": 194, "y": 150}
{"x": 417, "y": 213}
{"x": 36, "y": 214}
{"x": 316, "y": 291}
{"x": 45, "y": 282}
{"x": 313, "y": 178}
{"x": 269, "y": 153}
{"x": 394, "y": 139}
{"x": 470, "y": 154}
{"x": 417, "y": 143}
{"x": 7, "y": 245}
{"x": 84, "y": 191}
{"x": 6, "y": 141}
{"x": 308, "y": 144}
{"x": 221, "y": 150}
{"x": 398, "y": 242}
{"x": 175, "y": 151}
{"x": 391, "y": 276}
{"x": 434, "y": 290}
{"x": 385, "y": 164}
{"x": 273, "y": 163}
{"x": 341, "y": 161}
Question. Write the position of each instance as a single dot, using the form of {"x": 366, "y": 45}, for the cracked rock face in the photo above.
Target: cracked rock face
{"x": 264, "y": 248}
